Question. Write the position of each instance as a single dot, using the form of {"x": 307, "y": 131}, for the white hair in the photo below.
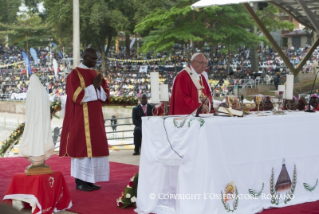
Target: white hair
{"x": 195, "y": 55}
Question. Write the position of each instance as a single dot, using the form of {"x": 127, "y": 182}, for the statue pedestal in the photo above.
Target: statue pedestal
{"x": 38, "y": 170}
{"x": 45, "y": 193}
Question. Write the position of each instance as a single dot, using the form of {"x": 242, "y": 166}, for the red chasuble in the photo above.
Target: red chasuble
{"x": 159, "y": 111}
{"x": 184, "y": 99}
{"x": 83, "y": 132}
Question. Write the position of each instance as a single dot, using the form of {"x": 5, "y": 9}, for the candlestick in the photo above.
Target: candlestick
{"x": 154, "y": 87}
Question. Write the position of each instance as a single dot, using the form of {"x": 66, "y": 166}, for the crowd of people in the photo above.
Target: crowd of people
{"x": 126, "y": 77}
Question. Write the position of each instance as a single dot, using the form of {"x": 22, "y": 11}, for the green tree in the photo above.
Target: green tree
{"x": 180, "y": 24}
{"x": 58, "y": 15}
{"x": 28, "y": 31}
{"x": 100, "y": 20}
{"x": 135, "y": 11}
{"x": 8, "y": 15}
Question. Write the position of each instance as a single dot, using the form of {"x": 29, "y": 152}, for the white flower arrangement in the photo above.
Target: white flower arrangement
{"x": 133, "y": 199}
{"x": 128, "y": 197}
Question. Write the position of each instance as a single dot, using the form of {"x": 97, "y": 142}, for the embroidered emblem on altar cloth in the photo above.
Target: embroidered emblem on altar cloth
{"x": 230, "y": 196}
{"x": 51, "y": 181}
{"x": 284, "y": 188}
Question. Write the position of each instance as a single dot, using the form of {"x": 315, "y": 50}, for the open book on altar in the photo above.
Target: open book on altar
{"x": 231, "y": 112}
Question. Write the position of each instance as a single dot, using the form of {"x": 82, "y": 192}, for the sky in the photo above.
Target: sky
{"x": 23, "y": 8}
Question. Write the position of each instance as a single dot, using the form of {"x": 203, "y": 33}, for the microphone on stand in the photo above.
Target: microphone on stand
{"x": 221, "y": 81}
{"x": 242, "y": 102}
{"x": 313, "y": 85}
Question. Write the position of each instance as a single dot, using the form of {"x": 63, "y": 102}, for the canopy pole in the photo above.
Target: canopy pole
{"x": 76, "y": 33}
{"x": 270, "y": 38}
{"x": 308, "y": 55}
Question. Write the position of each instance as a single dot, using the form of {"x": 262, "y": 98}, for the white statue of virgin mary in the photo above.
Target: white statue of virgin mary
{"x": 37, "y": 143}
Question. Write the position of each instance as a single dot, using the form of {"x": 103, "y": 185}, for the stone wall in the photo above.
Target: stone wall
{"x": 304, "y": 77}
{"x": 18, "y": 107}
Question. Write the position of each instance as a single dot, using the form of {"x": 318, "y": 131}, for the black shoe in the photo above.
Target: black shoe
{"x": 93, "y": 186}
{"x": 84, "y": 187}
{"x": 136, "y": 153}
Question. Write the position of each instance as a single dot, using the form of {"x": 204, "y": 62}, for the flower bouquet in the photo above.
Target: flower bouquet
{"x": 55, "y": 107}
{"x": 12, "y": 139}
{"x": 124, "y": 100}
{"x": 128, "y": 198}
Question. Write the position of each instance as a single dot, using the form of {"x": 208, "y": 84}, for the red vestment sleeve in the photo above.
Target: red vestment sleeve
{"x": 159, "y": 111}
{"x": 184, "y": 99}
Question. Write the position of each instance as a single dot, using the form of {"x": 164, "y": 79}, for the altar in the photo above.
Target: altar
{"x": 221, "y": 164}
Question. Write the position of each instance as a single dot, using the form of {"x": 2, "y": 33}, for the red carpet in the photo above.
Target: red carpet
{"x": 103, "y": 201}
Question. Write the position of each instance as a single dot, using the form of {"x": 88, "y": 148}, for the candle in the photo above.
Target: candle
{"x": 164, "y": 93}
{"x": 289, "y": 87}
{"x": 154, "y": 87}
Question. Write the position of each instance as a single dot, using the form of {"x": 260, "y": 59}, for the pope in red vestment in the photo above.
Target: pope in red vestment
{"x": 83, "y": 132}
{"x": 185, "y": 98}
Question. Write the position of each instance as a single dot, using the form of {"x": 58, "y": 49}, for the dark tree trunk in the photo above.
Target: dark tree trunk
{"x": 127, "y": 45}
{"x": 104, "y": 53}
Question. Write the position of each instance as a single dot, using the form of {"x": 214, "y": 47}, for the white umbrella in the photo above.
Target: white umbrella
{"x": 207, "y": 3}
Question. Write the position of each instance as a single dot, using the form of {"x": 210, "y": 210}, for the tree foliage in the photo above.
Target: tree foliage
{"x": 28, "y": 31}
{"x": 180, "y": 24}
{"x": 272, "y": 18}
{"x": 59, "y": 17}
{"x": 8, "y": 15}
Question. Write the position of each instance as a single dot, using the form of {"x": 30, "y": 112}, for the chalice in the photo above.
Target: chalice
{"x": 259, "y": 99}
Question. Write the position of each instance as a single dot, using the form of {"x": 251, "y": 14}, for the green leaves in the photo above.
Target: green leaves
{"x": 310, "y": 188}
{"x": 28, "y": 30}
{"x": 180, "y": 24}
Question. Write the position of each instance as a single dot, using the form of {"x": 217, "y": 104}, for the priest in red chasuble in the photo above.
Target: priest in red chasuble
{"x": 190, "y": 88}
{"x": 83, "y": 136}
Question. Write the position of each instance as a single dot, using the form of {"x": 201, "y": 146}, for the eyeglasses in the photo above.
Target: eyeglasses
{"x": 201, "y": 63}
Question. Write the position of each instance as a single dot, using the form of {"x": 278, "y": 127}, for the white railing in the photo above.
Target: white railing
{"x": 123, "y": 136}
{"x": 10, "y": 123}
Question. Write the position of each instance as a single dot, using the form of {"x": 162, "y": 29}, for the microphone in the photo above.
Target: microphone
{"x": 309, "y": 110}
{"x": 242, "y": 103}
{"x": 200, "y": 108}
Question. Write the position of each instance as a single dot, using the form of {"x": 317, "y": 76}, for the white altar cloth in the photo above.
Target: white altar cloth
{"x": 227, "y": 153}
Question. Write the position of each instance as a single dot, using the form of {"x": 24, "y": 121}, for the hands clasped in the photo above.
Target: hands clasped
{"x": 97, "y": 81}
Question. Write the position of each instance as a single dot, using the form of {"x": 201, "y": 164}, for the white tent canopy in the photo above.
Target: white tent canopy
{"x": 207, "y": 3}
